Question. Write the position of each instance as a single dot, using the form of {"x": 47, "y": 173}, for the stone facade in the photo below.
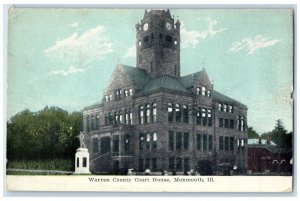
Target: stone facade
{"x": 150, "y": 117}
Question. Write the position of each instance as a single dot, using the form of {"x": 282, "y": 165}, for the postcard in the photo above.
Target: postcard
{"x": 150, "y": 100}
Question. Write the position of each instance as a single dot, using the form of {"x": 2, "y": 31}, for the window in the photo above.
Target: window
{"x": 210, "y": 142}
{"x": 84, "y": 162}
{"x": 141, "y": 114}
{"x": 230, "y": 108}
{"x": 198, "y": 91}
{"x": 198, "y": 117}
{"x": 126, "y": 92}
{"x": 168, "y": 38}
{"x": 130, "y": 92}
{"x": 204, "y": 117}
{"x": 209, "y": 93}
{"x": 178, "y": 141}
{"x": 126, "y": 117}
{"x": 106, "y": 119}
{"x": 146, "y": 39}
{"x": 106, "y": 98}
{"x": 178, "y": 113}
{"x": 148, "y": 141}
{"x": 110, "y": 97}
{"x": 242, "y": 124}
{"x": 205, "y": 142}
{"x": 221, "y": 122}
{"x": 118, "y": 94}
{"x": 231, "y": 123}
{"x": 226, "y": 123}
{"x": 171, "y": 163}
{"x": 141, "y": 165}
{"x": 93, "y": 122}
{"x": 203, "y": 91}
{"x": 171, "y": 140}
{"x": 185, "y": 114}
{"x": 97, "y": 122}
{"x": 209, "y": 117}
{"x": 154, "y": 142}
{"x": 116, "y": 144}
{"x": 198, "y": 139}
{"x": 221, "y": 143}
{"x": 77, "y": 161}
{"x": 178, "y": 164}
{"x": 170, "y": 112}
{"x": 224, "y": 107}
{"x": 127, "y": 144}
{"x": 231, "y": 143}
{"x": 226, "y": 143}
{"x": 120, "y": 117}
{"x": 219, "y": 106}
{"x": 148, "y": 113}
{"x": 147, "y": 163}
{"x": 130, "y": 116}
{"x": 142, "y": 141}
{"x": 186, "y": 141}
{"x": 154, "y": 112}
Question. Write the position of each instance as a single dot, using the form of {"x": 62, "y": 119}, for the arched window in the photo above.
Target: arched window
{"x": 148, "y": 113}
{"x": 178, "y": 112}
{"x": 170, "y": 112}
{"x": 185, "y": 114}
{"x": 154, "y": 112}
{"x": 141, "y": 112}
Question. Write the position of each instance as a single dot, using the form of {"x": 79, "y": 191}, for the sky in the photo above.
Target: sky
{"x": 65, "y": 57}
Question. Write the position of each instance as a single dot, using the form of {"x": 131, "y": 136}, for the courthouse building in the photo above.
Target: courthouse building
{"x": 151, "y": 117}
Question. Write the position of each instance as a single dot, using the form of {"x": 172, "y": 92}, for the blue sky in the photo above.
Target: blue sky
{"x": 65, "y": 57}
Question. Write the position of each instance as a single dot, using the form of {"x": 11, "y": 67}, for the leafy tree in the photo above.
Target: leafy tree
{"x": 252, "y": 133}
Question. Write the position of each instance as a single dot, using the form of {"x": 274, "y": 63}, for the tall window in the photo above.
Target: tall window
{"x": 178, "y": 141}
{"x": 178, "y": 113}
{"x": 186, "y": 163}
{"x": 226, "y": 122}
{"x": 203, "y": 91}
{"x": 106, "y": 98}
{"x": 171, "y": 140}
{"x": 116, "y": 144}
{"x": 198, "y": 91}
{"x": 185, "y": 114}
{"x": 148, "y": 140}
{"x": 130, "y": 92}
{"x": 231, "y": 143}
{"x": 230, "y": 108}
{"x": 171, "y": 163}
{"x": 221, "y": 122}
{"x": 120, "y": 117}
{"x": 95, "y": 145}
{"x": 209, "y": 93}
{"x": 147, "y": 163}
{"x": 231, "y": 123}
{"x": 224, "y": 107}
{"x": 170, "y": 112}
{"x": 198, "y": 139}
{"x": 154, "y": 164}
{"x": 148, "y": 113}
{"x": 110, "y": 97}
{"x": 221, "y": 143}
{"x": 142, "y": 141}
{"x": 204, "y": 117}
{"x": 154, "y": 112}
{"x": 154, "y": 141}
{"x": 210, "y": 142}
{"x": 97, "y": 121}
{"x": 219, "y": 106}
{"x": 186, "y": 141}
{"x": 88, "y": 123}
{"x": 130, "y": 116}
{"x": 127, "y": 144}
{"x": 226, "y": 143}
{"x": 118, "y": 94}
{"x": 106, "y": 119}
{"x": 198, "y": 117}
{"x": 178, "y": 164}
{"x": 126, "y": 92}
{"x": 126, "y": 117}
{"x": 141, "y": 111}
{"x": 204, "y": 142}
{"x": 209, "y": 117}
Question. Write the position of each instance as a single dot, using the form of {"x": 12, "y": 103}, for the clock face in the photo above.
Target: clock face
{"x": 145, "y": 27}
{"x": 168, "y": 26}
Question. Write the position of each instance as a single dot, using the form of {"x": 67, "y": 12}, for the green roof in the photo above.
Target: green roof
{"x": 221, "y": 97}
{"x": 138, "y": 76}
{"x": 188, "y": 80}
{"x": 165, "y": 82}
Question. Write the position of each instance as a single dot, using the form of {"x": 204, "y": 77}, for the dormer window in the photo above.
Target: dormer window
{"x": 230, "y": 108}
{"x": 126, "y": 92}
{"x": 225, "y": 108}
{"x": 208, "y": 93}
{"x": 130, "y": 92}
{"x": 219, "y": 106}
{"x": 106, "y": 98}
{"x": 118, "y": 94}
{"x": 198, "y": 91}
{"x": 110, "y": 97}
{"x": 203, "y": 91}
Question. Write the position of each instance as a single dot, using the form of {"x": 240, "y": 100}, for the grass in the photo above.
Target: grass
{"x": 54, "y": 164}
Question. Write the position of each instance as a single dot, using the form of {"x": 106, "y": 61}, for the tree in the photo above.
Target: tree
{"x": 47, "y": 134}
{"x": 252, "y": 133}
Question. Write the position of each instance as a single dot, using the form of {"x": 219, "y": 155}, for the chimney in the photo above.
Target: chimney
{"x": 268, "y": 140}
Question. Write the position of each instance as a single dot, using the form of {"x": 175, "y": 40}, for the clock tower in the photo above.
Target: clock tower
{"x": 158, "y": 44}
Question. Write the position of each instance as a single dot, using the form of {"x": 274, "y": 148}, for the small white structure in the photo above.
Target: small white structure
{"x": 82, "y": 156}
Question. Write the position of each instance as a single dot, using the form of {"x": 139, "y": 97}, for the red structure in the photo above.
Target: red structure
{"x": 266, "y": 156}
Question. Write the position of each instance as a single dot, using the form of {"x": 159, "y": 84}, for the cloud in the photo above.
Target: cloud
{"x": 75, "y": 24}
{"x": 131, "y": 52}
{"x": 81, "y": 49}
{"x": 252, "y": 44}
{"x": 70, "y": 70}
{"x": 193, "y": 37}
